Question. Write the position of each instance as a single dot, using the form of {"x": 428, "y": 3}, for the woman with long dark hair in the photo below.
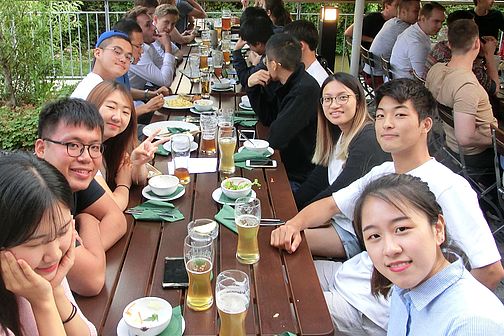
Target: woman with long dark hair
{"x": 36, "y": 250}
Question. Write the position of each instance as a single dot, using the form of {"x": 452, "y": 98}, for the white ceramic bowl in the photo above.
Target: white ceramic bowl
{"x": 223, "y": 84}
{"x": 234, "y": 194}
{"x": 260, "y": 145}
{"x": 138, "y": 313}
{"x": 245, "y": 101}
{"x": 203, "y": 105}
{"x": 164, "y": 185}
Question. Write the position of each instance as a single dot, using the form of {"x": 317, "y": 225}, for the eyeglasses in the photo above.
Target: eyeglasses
{"x": 75, "y": 149}
{"x": 120, "y": 53}
{"x": 341, "y": 99}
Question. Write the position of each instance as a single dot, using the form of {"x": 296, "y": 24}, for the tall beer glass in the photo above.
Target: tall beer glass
{"x": 232, "y": 293}
{"x": 208, "y": 123}
{"x": 198, "y": 257}
{"x": 247, "y": 219}
{"x": 227, "y": 145}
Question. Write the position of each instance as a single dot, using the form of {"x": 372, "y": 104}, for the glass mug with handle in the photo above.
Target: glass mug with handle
{"x": 232, "y": 294}
{"x": 199, "y": 258}
{"x": 247, "y": 219}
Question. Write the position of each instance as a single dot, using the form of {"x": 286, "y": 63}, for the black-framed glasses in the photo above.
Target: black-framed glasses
{"x": 341, "y": 99}
{"x": 75, "y": 149}
{"x": 119, "y": 52}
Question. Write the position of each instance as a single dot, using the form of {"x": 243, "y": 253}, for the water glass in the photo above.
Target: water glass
{"x": 225, "y": 117}
{"x": 232, "y": 294}
{"x": 208, "y": 123}
{"x": 180, "y": 151}
{"x": 194, "y": 66}
{"x": 227, "y": 145}
{"x": 199, "y": 258}
{"x": 247, "y": 219}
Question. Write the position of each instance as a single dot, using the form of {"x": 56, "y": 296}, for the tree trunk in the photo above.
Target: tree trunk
{"x": 9, "y": 87}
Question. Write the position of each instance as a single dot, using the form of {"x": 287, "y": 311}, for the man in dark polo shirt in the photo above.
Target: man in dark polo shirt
{"x": 489, "y": 20}
{"x": 70, "y": 135}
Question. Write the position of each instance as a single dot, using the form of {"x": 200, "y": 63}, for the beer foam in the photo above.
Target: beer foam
{"x": 232, "y": 302}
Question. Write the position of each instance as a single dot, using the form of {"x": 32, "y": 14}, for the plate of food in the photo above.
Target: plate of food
{"x": 169, "y": 128}
{"x": 176, "y": 102}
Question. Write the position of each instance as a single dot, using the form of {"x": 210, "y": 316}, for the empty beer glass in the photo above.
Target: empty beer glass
{"x": 199, "y": 257}
{"x": 208, "y": 123}
{"x": 247, "y": 219}
{"x": 232, "y": 294}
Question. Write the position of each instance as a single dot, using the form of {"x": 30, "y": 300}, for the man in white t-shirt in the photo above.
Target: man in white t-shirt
{"x": 403, "y": 119}
{"x": 412, "y": 45}
{"x": 112, "y": 58}
{"x": 306, "y": 33}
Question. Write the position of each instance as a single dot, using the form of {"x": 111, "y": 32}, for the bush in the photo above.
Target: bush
{"x": 18, "y": 127}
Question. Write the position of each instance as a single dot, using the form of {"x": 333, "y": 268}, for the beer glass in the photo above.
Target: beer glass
{"x": 198, "y": 257}
{"x": 208, "y": 123}
{"x": 203, "y": 226}
{"x": 226, "y": 52}
{"x": 227, "y": 145}
{"x": 226, "y": 35}
{"x": 206, "y": 76}
{"x": 247, "y": 219}
{"x": 181, "y": 150}
{"x": 206, "y": 38}
{"x": 232, "y": 294}
{"x": 194, "y": 70}
{"x": 204, "y": 53}
{"x": 225, "y": 117}
{"x": 226, "y": 19}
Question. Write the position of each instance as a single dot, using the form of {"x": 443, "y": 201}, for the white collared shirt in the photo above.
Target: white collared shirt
{"x": 410, "y": 52}
{"x": 152, "y": 68}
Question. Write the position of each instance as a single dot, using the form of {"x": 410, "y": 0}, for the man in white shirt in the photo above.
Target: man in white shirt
{"x": 412, "y": 45}
{"x": 306, "y": 33}
{"x": 112, "y": 59}
{"x": 152, "y": 67}
{"x": 384, "y": 41}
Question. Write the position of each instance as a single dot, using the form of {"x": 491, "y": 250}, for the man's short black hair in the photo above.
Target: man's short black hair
{"x": 404, "y": 89}
{"x": 458, "y": 15}
{"x": 127, "y": 26}
{"x": 252, "y": 12}
{"x": 304, "y": 31}
{"x": 284, "y": 49}
{"x": 70, "y": 111}
{"x": 256, "y": 30}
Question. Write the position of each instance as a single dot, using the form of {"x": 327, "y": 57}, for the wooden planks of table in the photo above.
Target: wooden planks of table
{"x": 285, "y": 291}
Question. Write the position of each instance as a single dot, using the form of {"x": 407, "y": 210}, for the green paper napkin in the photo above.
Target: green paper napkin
{"x": 223, "y": 215}
{"x": 248, "y": 154}
{"x": 287, "y": 333}
{"x": 154, "y": 210}
{"x": 178, "y": 190}
{"x": 246, "y": 112}
{"x": 245, "y": 121}
{"x": 176, "y": 130}
{"x": 226, "y": 200}
{"x": 175, "y": 326}
{"x": 162, "y": 151}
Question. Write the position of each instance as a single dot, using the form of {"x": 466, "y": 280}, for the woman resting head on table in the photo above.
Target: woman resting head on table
{"x": 37, "y": 243}
{"x": 346, "y": 146}
{"x": 123, "y": 162}
{"x": 402, "y": 227}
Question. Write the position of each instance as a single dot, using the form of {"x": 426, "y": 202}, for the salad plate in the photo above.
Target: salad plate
{"x": 217, "y": 193}
{"x": 241, "y": 105}
{"x": 167, "y": 146}
{"x": 148, "y": 194}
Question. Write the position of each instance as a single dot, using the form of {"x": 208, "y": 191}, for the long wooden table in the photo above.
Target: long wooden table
{"x": 285, "y": 291}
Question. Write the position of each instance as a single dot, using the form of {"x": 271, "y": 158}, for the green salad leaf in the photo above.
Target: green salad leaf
{"x": 229, "y": 184}
{"x": 153, "y": 317}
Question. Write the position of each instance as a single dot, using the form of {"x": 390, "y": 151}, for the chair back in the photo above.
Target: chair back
{"x": 446, "y": 114}
{"x": 498, "y": 146}
{"x": 387, "y": 68}
{"x": 417, "y": 77}
{"x": 323, "y": 62}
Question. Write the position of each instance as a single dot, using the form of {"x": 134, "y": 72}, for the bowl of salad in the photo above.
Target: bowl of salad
{"x": 147, "y": 316}
{"x": 236, "y": 187}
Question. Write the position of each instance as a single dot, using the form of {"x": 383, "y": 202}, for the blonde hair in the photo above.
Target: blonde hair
{"x": 163, "y": 10}
{"x": 328, "y": 134}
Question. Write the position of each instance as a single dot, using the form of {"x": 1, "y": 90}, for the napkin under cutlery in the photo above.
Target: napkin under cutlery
{"x": 223, "y": 217}
{"x": 247, "y": 154}
{"x": 153, "y": 210}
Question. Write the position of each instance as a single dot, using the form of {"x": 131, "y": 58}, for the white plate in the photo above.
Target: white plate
{"x": 270, "y": 150}
{"x": 122, "y": 328}
{"x": 245, "y": 107}
{"x": 149, "y": 129}
{"x": 193, "y": 110}
{"x": 172, "y": 97}
{"x": 229, "y": 88}
{"x": 147, "y": 188}
{"x": 218, "y": 192}
{"x": 167, "y": 146}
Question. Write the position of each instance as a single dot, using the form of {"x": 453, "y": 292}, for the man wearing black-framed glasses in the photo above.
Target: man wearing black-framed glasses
{"x": 70, "y": 136}
{"x": 112, "y": 58}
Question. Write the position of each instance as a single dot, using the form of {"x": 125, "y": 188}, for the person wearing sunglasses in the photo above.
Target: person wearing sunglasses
{"x": 113, "y": 55}
{"x": 70, "y": 135}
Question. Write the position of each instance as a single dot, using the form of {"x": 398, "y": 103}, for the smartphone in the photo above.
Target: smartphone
{"x": 267, "y": 163}
{"x": 175, "y": 274}
{"x": 244, "y": 134}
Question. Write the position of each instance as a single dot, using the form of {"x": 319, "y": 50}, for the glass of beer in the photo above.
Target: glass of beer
{"x": 226, "y": 19}
{"x": 181, "y": 150}
{"x": 194, "y": 64}
{"x": 206, "y": 76}
{"x": 247, "y": 219}
{"x": 208, "y": 123}
{"x": 206, "y": 38}
{"x": 204, "y": 52}
{"x": 203, "y": 226}
{"x": 232, "y": 294}
{"x": 199, "y": 257}
{"x": 226, "y": 52}
{"x": 227, "y": 145}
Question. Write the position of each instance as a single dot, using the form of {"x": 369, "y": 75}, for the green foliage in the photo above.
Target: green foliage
{"x": 18, "y": 127}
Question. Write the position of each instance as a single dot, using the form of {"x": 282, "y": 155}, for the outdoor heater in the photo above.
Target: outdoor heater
{"x": 327, "y": 34}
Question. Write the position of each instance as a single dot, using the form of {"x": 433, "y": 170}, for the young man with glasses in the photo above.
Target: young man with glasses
{"x": 288, "y": 105}
{"x": 112, "y": 58}
{"x": 70, "y": 135}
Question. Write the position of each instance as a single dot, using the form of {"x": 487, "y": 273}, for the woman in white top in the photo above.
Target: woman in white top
{"x": 123, "y": 162}
{"x": 37, "y": 244}
{"x": 402, "y": 227}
